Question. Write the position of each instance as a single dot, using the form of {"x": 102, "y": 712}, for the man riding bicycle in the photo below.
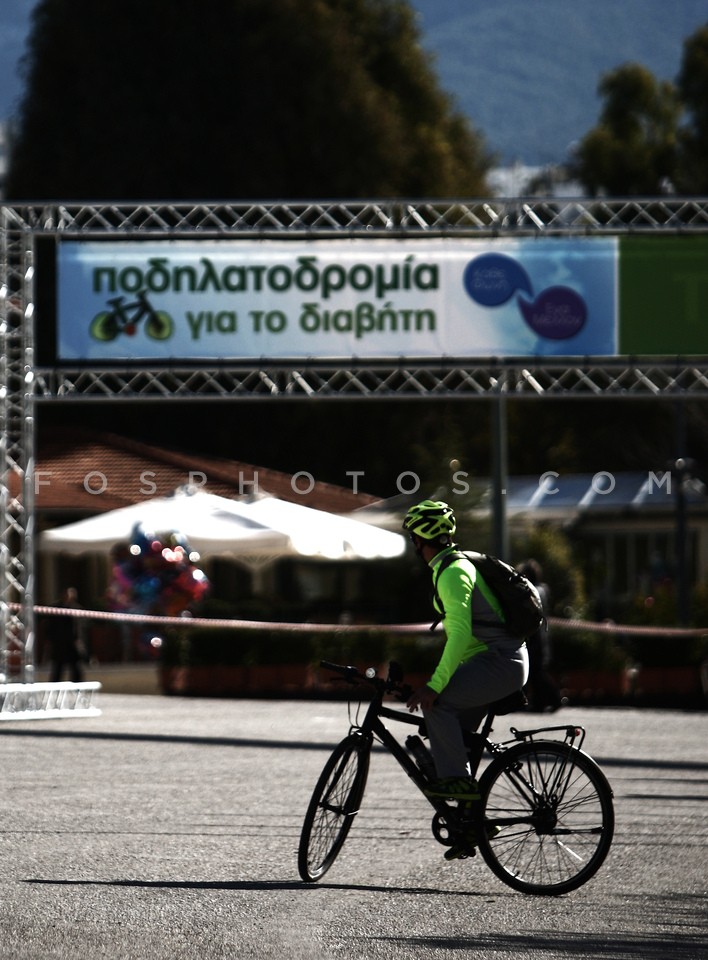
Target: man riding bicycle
{"x": 480, "y": 662}
{"x": 542, "y": 815}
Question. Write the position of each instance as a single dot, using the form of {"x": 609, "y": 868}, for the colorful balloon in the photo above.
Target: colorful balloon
{"x": 154, "y": 574}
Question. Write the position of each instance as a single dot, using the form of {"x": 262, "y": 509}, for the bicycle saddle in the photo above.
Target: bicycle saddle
{"x": 509, "y": 704}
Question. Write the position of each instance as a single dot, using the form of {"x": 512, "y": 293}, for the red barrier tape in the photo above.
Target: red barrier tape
{"x": 189, "y": 621}
{"x": 618, "y": 628}
{"x": 404, "y": 628}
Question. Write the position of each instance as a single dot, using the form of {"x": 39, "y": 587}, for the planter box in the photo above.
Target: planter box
{"x": 236, "y": 681}
{"x": 591, "y": 686}
{"x": 676, "y": 685}
{"x": 282, "y": 679}
{"x": 200, "y": 681}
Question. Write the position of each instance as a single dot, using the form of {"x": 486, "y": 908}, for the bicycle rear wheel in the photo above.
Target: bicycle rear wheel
{"x": 334, "y": 804}
{"x": 104, "y": 326}
{"x": 552, "y": 809}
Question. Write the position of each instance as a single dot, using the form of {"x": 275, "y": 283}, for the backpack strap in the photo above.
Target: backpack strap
{"x": 444, "y": 564}
{"x": 485, "y": 590}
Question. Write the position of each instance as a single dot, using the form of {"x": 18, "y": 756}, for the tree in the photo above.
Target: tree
{"x": 633, "y": 148}
{"x": 236, "y": 99}
{"x": 693, "y": 92}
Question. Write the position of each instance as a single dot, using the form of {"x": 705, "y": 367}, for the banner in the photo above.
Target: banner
{"x": 337, "y": 299}
{"x": 664, "y": 293}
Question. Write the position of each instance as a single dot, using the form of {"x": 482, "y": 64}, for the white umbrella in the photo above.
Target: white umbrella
{"x": 201, "y": 518}
{"x": 316, "y": 533}
{"x": 258, "y": 530}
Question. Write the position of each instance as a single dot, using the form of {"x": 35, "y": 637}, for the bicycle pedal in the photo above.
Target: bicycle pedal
{"x": 458, "y": 853}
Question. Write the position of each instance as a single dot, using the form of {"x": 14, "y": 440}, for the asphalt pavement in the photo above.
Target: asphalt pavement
{"x": 168, "y": 828}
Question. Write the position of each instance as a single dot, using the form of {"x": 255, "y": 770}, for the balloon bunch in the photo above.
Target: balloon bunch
{"x": 155, "y": 574}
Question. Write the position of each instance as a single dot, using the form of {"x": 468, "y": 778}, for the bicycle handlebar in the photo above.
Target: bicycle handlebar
{"x": 349, "y": 673}
{"x": 392, "y": 684}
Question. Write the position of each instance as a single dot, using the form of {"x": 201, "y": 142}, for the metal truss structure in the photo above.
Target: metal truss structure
{"x": 442, "y": 380}
{"x": 29, "y": 701}
{"x": 23, "y": 382}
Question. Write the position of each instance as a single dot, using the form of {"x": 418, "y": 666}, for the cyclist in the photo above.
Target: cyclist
{"x": 478, "y": 664}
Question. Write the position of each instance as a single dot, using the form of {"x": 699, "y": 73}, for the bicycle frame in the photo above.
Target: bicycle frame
{"x": 129, "y": 314}
{"x": 476, "y": 741}
{"x": 372, "y": 727}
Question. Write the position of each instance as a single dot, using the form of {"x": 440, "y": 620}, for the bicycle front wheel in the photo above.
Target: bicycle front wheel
{"x": 334, "y": 804}
{"x": 159, "y": 326}
{"x": 549, "y": 817}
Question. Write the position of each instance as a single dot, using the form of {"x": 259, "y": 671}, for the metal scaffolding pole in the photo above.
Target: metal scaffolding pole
{"x": 17, "y": 383}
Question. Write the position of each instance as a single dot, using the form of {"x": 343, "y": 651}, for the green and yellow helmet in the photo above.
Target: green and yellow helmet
{"x": 430, "y": 519}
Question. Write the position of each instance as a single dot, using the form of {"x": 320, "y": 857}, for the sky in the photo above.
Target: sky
{"x": 525, "y": 72}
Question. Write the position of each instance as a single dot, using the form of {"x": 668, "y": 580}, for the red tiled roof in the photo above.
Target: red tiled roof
{"x": 82, "y": 471}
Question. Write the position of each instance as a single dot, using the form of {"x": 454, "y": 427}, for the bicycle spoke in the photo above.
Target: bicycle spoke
{"x": 571, "y": 853}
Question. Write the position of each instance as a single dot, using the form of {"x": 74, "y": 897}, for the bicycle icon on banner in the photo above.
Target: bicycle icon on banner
{"x": 126, "y": 317}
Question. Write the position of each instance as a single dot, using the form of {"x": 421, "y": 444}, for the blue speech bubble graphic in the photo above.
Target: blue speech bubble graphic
{"x": 557, "y": 313}
{"x": 493, "y": 278}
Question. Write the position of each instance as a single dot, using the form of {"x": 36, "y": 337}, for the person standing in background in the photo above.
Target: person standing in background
{"x": 65, "y": 641}
{"x": 542, "y": 691}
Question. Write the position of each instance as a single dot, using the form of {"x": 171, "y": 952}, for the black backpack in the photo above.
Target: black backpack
{"x": 518, "y": 598}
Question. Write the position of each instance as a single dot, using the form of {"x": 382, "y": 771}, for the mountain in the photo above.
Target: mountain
{"x": 14, "y": 26}
{"x": 525, "y": 72}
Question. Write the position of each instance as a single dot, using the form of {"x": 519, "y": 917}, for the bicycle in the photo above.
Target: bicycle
{"x": 545, "y": 819}
{"x": 125, "y": 317}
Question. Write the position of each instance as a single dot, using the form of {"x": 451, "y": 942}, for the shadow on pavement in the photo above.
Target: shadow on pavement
{"x": 653, "y": 763}
{"x": 251, "y": 885}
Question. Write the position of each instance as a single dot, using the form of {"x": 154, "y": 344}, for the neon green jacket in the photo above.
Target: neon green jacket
{"x": 456, "y": 589}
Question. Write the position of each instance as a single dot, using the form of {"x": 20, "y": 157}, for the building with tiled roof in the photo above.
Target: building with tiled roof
{"x": 84, "y": 472}
{"x": 81, "y": 472}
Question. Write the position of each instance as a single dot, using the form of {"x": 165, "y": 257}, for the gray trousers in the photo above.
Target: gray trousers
{"x": 487, "y": 677}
